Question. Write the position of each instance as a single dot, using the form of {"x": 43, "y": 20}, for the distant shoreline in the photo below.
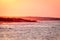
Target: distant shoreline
{"x": 26, "y": 19}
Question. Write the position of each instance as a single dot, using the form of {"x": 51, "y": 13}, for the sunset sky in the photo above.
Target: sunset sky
{"x": 43, "y": 8}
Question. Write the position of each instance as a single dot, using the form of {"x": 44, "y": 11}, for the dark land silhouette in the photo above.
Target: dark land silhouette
{"x": 14, "y": 20}
{"x": 31, "y": 19}
{"x": 41, "y": 18}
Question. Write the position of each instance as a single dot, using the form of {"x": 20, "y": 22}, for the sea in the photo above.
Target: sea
{"x": 42, "y": 30}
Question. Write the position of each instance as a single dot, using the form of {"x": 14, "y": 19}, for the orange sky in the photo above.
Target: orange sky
{"x": 45, "y": 8}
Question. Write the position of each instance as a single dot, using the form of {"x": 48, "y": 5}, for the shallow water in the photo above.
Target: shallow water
{"x": 44, "y": 30}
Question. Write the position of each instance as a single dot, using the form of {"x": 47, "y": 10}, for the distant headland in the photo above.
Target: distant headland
{"x": 26, "y": 19}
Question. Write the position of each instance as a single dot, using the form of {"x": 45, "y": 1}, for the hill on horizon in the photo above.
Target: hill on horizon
{"x": 3, "y": 19}
{"x": 26, "y": 19}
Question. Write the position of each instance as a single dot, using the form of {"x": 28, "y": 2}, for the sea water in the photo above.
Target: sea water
{"x": 43, "y": 30}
